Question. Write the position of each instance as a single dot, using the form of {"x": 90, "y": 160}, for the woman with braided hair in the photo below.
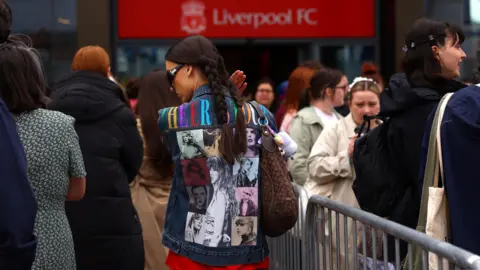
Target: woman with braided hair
{"x": 215, "y": 117}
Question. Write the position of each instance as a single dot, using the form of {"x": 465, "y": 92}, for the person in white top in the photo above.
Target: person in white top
{"x": 330, "y": 172}
{"x": 327, "y": 91}
{"x": 327, "y": 118}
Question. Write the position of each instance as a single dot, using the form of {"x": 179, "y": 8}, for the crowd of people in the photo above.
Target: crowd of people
{"x": 165, "y": 172}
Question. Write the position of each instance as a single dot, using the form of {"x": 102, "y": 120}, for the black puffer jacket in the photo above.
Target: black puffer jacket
{"x": 105, "y": 226}
{"x": 391, "y": 156}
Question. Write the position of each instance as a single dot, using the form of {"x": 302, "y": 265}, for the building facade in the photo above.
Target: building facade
{"x": 265, "y": 38}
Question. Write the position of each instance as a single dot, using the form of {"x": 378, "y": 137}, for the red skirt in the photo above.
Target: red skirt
{"x": 176, "y": 262}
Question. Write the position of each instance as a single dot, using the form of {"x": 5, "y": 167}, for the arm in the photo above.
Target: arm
{"x": 326, "y": 163}
{"x": 131, "y": 152}
{"x": 76, "y": 169}
{"x": 76, "y": 190}
{"x": 300, "y": 134}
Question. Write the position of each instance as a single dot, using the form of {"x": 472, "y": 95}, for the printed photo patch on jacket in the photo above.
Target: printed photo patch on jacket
{"x": 245, "y": 172}
{"x": 247, "y": 199}
{"x": 200, "y": 197}
{"x": 216, "y": 224}
{"x": 253, "y": 145}
{"x": 191, "y": 144}
{"x": 244, "y": 231}
{"x": 195, "y": 228}
{"x": 211, "y": 139}
{"x": 195, "y": 172}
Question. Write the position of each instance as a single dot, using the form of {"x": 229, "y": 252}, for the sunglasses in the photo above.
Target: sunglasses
{"x": 172, "y": 72}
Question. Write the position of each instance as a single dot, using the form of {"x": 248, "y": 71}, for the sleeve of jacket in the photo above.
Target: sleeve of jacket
{"x": 299, "y": 132}
{"x": 460, "y": 145}
{"x": 131, "y": 153}
{"x": 326, "y": 163}
{"x": 18, "y": 206}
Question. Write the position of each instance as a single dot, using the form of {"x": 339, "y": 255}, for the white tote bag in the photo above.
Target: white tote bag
{"x": 437, "y": 225}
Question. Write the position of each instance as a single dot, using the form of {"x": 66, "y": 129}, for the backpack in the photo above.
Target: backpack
{"x": 375, "y": 181}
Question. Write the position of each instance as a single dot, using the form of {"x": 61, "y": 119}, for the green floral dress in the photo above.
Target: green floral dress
{"x": 53, "y": 158}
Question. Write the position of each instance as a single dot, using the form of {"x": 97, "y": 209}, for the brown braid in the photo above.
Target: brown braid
{"x": 231, "y": 146}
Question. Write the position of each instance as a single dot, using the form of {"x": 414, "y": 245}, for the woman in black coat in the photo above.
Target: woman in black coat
{"x": 105, "y": 226}
{"x": 432, "y": 62}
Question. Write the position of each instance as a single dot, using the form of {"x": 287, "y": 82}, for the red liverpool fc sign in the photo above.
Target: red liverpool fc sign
{"x": 145, "y": 19}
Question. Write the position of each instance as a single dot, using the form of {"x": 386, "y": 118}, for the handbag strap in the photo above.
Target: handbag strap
{"x": 434, "y": 154}
{"x": 366, "y": 123}
{"x": 432, "y": 166}
{"x": 441, "y": 110}
{"x": 438, "y": 140}
{"x": 262, "y": 119}
{"x": 267, "y": 139}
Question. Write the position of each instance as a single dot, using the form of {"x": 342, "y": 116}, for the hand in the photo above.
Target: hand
{"x": 238, "y": 78}
{"x": 351, "y": 145}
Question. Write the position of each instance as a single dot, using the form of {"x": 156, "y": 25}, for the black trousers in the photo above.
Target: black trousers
{"x": 109, "y": 253}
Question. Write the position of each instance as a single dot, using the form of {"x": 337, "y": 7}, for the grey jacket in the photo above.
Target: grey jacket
{"x": 305, "y": 128}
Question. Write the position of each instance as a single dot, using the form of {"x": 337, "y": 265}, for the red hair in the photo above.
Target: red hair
{"x": 369, "y": 70}
{"x": 298, "y": 81}
{"x": 93, "y": 59}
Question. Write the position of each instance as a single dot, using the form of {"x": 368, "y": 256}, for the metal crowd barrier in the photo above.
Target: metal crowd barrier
{"x": 383, "y": 252}
{"x": 286, "y": 251}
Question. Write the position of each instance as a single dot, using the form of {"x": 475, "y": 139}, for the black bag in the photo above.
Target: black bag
{"x": 375, "y": 184}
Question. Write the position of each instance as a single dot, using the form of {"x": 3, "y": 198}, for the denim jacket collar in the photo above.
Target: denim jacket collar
{"x": 202, "y": 90}
{"x": 205, "y": 90}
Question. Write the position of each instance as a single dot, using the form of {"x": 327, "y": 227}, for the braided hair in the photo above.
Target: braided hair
{"x": 201, "y": 53}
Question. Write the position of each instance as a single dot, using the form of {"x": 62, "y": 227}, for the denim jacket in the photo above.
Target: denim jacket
{"x": 213, "y": 211}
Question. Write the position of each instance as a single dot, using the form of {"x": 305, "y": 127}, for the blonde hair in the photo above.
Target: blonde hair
{"x": 363, "y": 84}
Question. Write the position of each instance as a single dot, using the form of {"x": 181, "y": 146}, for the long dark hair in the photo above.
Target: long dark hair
{"x": 133, "y": 87}
{"x": 22, "y": 81}
{"x": 155, "y": 94}
{"x": 201, "y": 53}
{"x": 419, "y": 64}
{"x": 321, "y": 80}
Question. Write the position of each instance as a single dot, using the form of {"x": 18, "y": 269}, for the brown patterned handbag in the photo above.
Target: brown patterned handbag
{"x": 279, "y": 206}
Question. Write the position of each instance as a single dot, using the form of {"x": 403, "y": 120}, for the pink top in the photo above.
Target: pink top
{"x": 287, "y": 119}
{"x": 133, "y": 103}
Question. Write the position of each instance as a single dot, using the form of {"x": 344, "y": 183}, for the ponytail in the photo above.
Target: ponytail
{"x": 305, "y": 98}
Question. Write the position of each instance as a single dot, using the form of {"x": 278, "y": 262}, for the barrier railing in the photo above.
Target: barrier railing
{"x": 383, "y": 243}
{"x": 287, "y": 251}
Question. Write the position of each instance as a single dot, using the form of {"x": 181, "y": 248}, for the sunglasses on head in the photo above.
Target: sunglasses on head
{"x": 172, "y": 72}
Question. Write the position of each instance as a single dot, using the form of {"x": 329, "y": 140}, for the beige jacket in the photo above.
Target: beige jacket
{"x": 305, "y": 128}
{"x": 331, "y": 174}
{"x": 150, "y": 193}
